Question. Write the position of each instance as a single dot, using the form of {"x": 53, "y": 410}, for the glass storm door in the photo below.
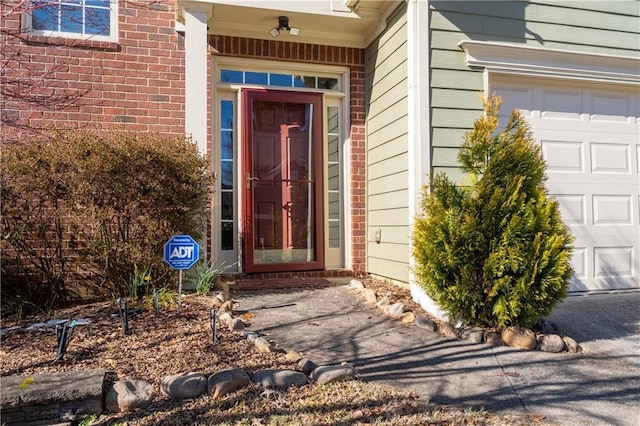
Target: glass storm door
{"x": 283, "y": 224}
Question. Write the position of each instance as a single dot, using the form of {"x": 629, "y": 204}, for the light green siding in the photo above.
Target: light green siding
{"x": 603, "y": 27}
{"x": 387, "y": 148}
{"x": 606, "y": 27}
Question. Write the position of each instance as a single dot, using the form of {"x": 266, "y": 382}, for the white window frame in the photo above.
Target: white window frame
{"x": 27, "y": 25}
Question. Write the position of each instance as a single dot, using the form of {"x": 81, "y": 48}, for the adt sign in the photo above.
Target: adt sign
{"x": 181, "y": 252}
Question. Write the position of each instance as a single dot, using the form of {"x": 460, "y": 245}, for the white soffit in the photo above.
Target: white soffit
{"x": 539, "y": 62}
{"x": 322, "y": 22}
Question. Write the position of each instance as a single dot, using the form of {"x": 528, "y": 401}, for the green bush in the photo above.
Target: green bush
{"x": 80, "y": 204}
{"x": 494, "y": 252}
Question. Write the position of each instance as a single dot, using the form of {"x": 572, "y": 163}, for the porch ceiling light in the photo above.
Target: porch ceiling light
{"x": 283, "y": 25}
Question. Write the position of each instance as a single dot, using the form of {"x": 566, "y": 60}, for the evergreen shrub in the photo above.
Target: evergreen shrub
{"x": 83, "y": 203}
{"x": 494, "y": 251}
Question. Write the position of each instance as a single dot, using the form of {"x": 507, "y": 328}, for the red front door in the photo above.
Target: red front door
{"x": 282, "y": 228}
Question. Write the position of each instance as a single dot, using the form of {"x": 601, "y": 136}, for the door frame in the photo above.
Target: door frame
{"x": 246, "y": 121}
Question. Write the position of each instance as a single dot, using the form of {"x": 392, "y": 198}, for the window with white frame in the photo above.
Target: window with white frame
{"x": 84, "y": 19}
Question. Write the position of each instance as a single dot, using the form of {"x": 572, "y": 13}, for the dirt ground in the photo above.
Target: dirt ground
{"x": 174, "y": 342}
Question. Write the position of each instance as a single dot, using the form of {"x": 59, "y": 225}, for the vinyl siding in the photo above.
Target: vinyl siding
{"x": 387, "y": 148}
{"x": 610, "y": 27}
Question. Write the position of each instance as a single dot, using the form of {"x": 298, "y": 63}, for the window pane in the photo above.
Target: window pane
{"x": 227, "y": 236}
{"x": 227, "y": 175}
{"x": 332, "y": 120}
{"x": 334, "y": 234}
{"x": 228, "y": 76}
{"x": 227, "y": 205}
{"x": 226, "y": 145}
{"x": 334, "y": 177}
{"x": 45, "y": 18}
{"x": 327, "y": 83}
{"x": 98, "y": 21}
{"x": 256, "y": 78}
{"x": 226, "y": 115}
{"x": 332, "y": 149}
{"x": 334, "y": 205}
{"x": 71, "y": 19}
{"x": 298, "y": 81}
{"x": 99, "y": 3}
{"x": 281, "y": 80}
{"x": 308, "y": 82}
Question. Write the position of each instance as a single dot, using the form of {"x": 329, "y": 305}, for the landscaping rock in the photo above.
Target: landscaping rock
{"x": 384, "y": 301}
{"x": 550, "y": 343}
{"x": 292, "y": 356}
{"x": 251, "y": 336}
{"x": 263, "y": 345}
{"x": 279, "y": 378}
{"x": 571, "y": 345}
{"x": 369, "y": 295}
{"x": 493, "y": 338}
{"x": 472, "y": 334}
{"x": 128, "y": 395}
{"x": 184, "y": 386}
{"x": 227, "y": 381}
{"x": 519, "y": 337}
{"x": 226, "y": 307}
{"x": 236, "y": 325}
{"x": 547, "y": 327}
{"x": 408, "y": 317}
{"x": 333, "y": 373}
{"x": 425, "y": 323}
{"x": 306, "y": 366}
{"x": 447, "y": 329}
{"x": 394, "y": 311}
{"x": 221, "y": 297}
{"x": 356, "y": 285}
{"x": 225, "y": 317}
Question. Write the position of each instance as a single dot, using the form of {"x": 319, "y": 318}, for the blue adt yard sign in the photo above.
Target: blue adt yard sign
{"x": 181, "y": 252}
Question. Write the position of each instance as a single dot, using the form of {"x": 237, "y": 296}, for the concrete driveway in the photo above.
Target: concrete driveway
{"x": 598, "y": 387}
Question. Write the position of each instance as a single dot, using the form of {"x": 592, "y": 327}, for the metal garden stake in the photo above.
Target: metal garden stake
{"x": 124, "y": 313}
{"x": 64, "y": 334}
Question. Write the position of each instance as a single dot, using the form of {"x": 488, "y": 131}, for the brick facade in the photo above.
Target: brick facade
{"x": 138, "y": 84}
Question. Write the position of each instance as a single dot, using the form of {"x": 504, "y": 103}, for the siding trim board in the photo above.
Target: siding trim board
{"x": 532, "y": 61}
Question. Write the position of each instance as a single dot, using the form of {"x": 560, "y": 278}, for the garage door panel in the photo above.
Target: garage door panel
{"x": 613, "y": 262}
{"x": 612, "y": 210}
{"x": 561, "y": 104}
{"x": 607, "y": 107}
{"x": 563, "y": 156}
{"x": 590, "y": 139}
{"x": 610, "y": 158}
{"x": 573, "y": 209}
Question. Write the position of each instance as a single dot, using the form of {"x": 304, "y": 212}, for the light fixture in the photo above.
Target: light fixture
{"x": 283, "y": 24}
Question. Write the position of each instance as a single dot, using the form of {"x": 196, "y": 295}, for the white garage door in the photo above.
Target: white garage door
{"x": 590, "y": 137}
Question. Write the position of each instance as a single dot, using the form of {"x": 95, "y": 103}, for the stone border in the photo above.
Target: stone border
{"x": 549, "y": 339}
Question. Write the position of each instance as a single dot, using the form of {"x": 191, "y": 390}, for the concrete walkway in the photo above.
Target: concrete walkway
{"x": 598, "y": 387}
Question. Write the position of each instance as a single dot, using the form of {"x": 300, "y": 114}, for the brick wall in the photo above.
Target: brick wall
{"x": 136, "y": 83}
{"x": 329, "y": 55}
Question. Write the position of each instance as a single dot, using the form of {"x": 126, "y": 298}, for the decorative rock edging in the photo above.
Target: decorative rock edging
{"x": 273, "y": 382}
{"x": 549, "y": 339}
